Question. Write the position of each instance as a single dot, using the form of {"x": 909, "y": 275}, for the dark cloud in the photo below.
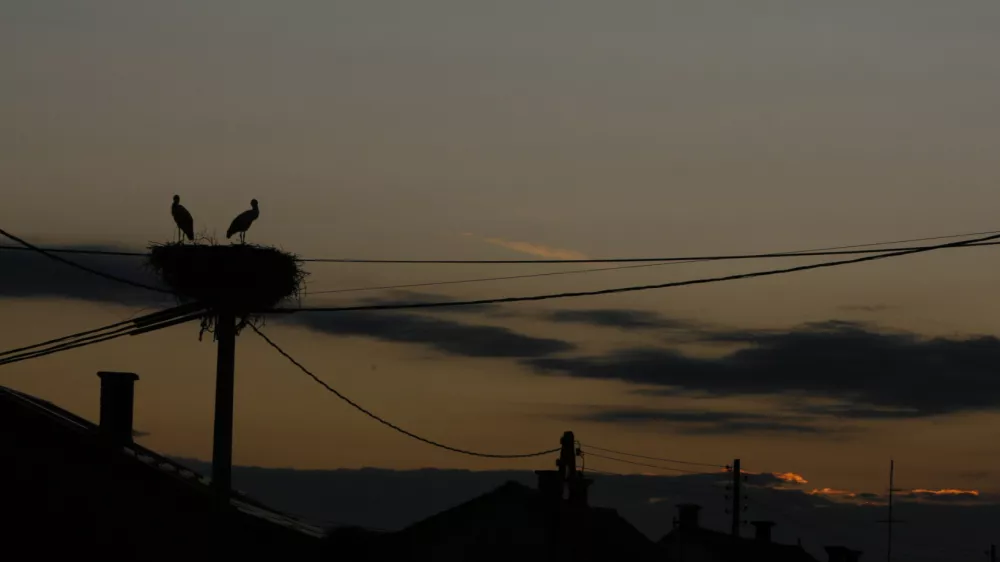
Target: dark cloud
{"x": 852, "y": 412}
{"x": 445, "y": 335}
{"x": 627, "y": 319}
{"x": 880, "y": 374}
{"x": 27, "y": 274}
{"x": 707, "y": 422}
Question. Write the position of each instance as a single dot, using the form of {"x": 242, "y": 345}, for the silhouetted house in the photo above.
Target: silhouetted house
{"x": 690, "y": 542}
{"x": 78, "y": 491}
{"x": 515, "y": 523}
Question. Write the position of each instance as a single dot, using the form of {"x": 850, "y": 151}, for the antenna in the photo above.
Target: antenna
{"x": 890, "y": 521}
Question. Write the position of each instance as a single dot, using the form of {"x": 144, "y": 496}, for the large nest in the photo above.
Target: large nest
{"x": 242, "y": 279}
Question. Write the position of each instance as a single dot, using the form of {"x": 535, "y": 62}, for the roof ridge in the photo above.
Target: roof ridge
{"x": 197, "y": 481}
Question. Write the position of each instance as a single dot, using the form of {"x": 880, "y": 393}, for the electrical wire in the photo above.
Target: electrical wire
{"x": 66, "y": 346}
{"x": 82, "y": 251}
{"x": 690, "y": 463}
{"x": 151, "y": 322}
{"x": 602, "y": 472}
{"x": 82, "y": 267}
{"x": 831, "y": 250}
{"x": 502, "y": 278}
{"x": 600, "y": 269}
{"x": 152, "y": 318}
{"x": 389, "y": 424}
{"x": 579, "y": 271}
{"x": 64, "y": 338}
{"x": 550, "y": 296}
{"x": 128, "y": 331}
{"x": 660, "y": 467}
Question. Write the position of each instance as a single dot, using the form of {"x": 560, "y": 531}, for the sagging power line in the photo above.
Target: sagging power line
{"x": 387, "y": 423}
{"x": 97, "y": 272}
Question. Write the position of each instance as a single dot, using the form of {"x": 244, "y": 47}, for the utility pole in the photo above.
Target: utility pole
{"x": 890, "y": 521}
{"x": 222, "y": 444}
{"x": 567, "y": 458}
{"x": 993, "y": 553}
{"x": 737, "y": 496}
{"x": 892, "y": 470}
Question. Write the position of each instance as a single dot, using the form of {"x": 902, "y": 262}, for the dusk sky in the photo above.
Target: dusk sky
{"x": 508, "y": 130}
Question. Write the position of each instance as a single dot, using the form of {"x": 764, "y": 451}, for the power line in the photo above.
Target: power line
{"x": 690, "y": 463}
{"x": 599, "y": 269}
{"x": 617, "y": 268}
{"x": 98, "y": 338}
{"x": 660, "y": 467}
{"x": 723, "y": 257}
{"x": 549, "y": 296}
{"x": 389, "y": 424}
{"x": 140, "y": 322}
{"x": 82, "y": 251}
{"x": 151, "y": 322}
{"x": 66, "y": 346}
{"x": 601, "y": 472}
{"x": 831, "y": 250}
{"x": 502, "y": 278}
{"x": 64, "y": 338}
{"x": 82, "y": 267}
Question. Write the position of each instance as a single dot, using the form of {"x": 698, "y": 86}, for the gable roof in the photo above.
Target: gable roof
{"x": 58, "y": 467}
{"x": 516, "y": 521}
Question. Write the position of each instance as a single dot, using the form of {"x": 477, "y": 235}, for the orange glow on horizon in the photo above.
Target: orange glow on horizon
{"x": 946, "y": 492}
{"x": 832, "y": 492}
{"x": 790, "y": 477}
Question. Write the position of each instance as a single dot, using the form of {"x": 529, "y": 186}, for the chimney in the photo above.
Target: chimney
{"x": 687, "y": 516}
{"x": 117, "y": 393}
{"x": 842, "y": 554}
{"x": 762, "y": 530}
{"x": 550, "y": 485}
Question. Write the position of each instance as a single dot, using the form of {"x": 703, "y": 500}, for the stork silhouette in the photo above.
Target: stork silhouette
{"x": 183, "y": 219}
{"x": 243, "y": 221}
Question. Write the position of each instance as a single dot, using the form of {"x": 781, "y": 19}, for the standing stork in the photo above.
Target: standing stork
{"x": 183, "y": 219}
{"x": 243, "y": 221}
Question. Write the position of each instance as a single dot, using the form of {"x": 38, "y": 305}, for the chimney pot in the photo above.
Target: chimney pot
{"x": 763, "y": 530}
{"x": 117, "y": 395}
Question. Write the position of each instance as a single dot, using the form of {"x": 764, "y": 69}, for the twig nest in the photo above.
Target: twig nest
{"x": 239, "y": 278}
